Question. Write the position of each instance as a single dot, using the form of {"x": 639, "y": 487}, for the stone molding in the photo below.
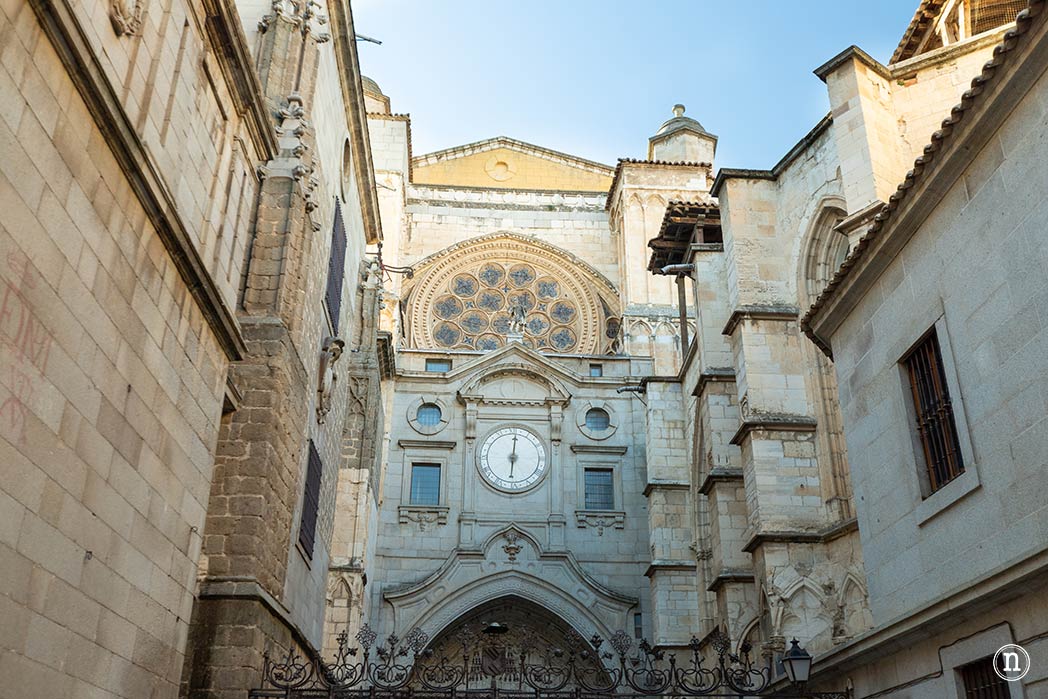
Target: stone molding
{"x": 514, "y": 145}
{"x": 773, "y": 422}
{"x": 730, "y": 575}
{"x": 423, "y": 515}
{"x": 778, "y": 312}
{"x": 713, "y": 374}
{"x": 822, "y": 536}
{"x": 426, "y": 444}
{"x": 249, "y": 590}
{"x": 665, "y": 485}
{"x": 598, "y": 449}
{"x": 720, "y": 475}
{"x": 60, "y": 24}
{"x": 658, "y": 566}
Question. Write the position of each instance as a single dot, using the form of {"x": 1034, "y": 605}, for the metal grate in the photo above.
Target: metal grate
{"x": 307, "y": 530}
{"x": 935, "y": 422}
{"x": 425, "y": 484}
{"x": 981, "y": 682}
{"x": 336, "y": 268}
{"x": 600, "y": 494}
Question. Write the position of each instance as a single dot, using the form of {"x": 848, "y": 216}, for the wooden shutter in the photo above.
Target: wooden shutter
{"x": 935, "y": 422}
{"x": 336, "y": 268}
{"x": 307, "y": 530}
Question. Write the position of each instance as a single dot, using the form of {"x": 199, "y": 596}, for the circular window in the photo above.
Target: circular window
{"x": 597, "y": 419}
{"x": 428, "y": 415}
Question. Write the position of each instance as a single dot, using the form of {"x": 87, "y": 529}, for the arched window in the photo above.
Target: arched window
{"x": 597, "y": 419}
{"x": 428, "y": 415}
{"x": 824, "y": 252}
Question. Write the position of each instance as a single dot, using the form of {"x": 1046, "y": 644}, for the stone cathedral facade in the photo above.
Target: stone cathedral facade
{"x": 267, "y": 375}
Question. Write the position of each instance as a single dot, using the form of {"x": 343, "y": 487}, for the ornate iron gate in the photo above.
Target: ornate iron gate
{"x": 488, "y": 666}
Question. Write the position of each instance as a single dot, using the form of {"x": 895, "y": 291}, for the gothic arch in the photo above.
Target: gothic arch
{"x": 473, "y": 294}
{"x": 822, "y": 249}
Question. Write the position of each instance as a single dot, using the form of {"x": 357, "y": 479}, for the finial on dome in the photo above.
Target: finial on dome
{"x": 678, "y": 110}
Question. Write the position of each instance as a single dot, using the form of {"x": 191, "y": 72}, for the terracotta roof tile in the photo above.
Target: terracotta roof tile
{"x": 1024, "y": 21}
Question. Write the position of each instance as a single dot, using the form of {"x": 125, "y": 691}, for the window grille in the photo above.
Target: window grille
{"x": 428, "y": 415}
{"x": 425, "y": 484}
{"x": 438, "y": 365}
{"x": 981, "y": 682}
{"x": 597, "y": 419}
{"x": 336, "y": 268}
{"x": 600, "y": 491}
{"x": 934, "y": 412}
{"x": 307, "y": 529}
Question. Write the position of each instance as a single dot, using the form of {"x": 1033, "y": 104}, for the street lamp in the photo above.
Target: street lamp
{"x": 797, "y": 663}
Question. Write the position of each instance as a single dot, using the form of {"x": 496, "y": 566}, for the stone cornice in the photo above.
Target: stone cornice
{"x": 713, "y": 374}
{"x": 720, "y": 475}
{"x": 657, "y": 566}
{"x": 598, "y": 449}
{"x": 511, "y": 144}
{"x": 773, "y": 422}
{"x": 820, "y": 536}
{"x": 425, "y": 444}
{"x": 798, "y": 148}
{"x": 730, "y": 575}
{"x": 60, "y": 24}
{"x": 781, "y": 312}
{"x": 665, "y": 485}
{"x": 248, "y": 589}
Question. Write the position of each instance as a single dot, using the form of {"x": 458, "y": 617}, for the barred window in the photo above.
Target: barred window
{"x": 307, "y": 529}
{"x": 600, "y": 491}
{"x": 934, "y": 412}
{"x": 981, "y": 682}
{"x": 425, "y": 484}
{"x": 336, "y": 268}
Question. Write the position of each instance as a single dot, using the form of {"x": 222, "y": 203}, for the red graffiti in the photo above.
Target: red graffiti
{"x": 25, "y": 343}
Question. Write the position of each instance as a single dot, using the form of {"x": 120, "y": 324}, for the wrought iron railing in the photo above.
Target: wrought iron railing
{"x": 493, "y": 668}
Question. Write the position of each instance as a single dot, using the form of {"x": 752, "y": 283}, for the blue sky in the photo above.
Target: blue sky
{"x": 596, "y": 78}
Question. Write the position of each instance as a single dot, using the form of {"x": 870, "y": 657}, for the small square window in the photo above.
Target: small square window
{"x": 425, "y": 484}
{"x": 600, "y": 492}
{"x": 596, "y": 370}
{"x": 438, "y": 365}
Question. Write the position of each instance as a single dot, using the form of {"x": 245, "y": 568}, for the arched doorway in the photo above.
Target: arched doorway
{"x": 502, "y": 643}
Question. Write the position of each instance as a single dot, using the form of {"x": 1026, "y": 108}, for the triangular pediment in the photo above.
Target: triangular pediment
{"x": 514, "y": 359}
{"x": 506, "y": 163}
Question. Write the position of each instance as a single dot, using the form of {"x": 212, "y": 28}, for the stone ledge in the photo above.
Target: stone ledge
{"x": 248, "y": 589}
{"x": 665, "y": 485}
{"x": 670, "y": 566}
{"x": 425, "y": 444}
{"x": 600, "y": 520}
{"x": 822, "y": 536}
{"x": 778, "y": 312}
{"x": 729, "y": 575}
{"x": 423, "y": 515}
{"x": 712, "y": 374}
{"x": 598, "y": 449}
{"x": 773, "y": 422}
{"x": 719, "y": 475}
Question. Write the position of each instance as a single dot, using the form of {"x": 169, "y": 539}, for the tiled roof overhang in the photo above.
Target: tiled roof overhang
{"x": 946, "y": 145}
{"x": 925, "y": 16}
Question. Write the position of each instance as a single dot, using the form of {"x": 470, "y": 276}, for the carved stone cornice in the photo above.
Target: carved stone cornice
{"x": 598, "y": 449}
{"x": 425, "y": 444}
{"x": 730, "y": 575}
{"x": 665, "y": 485}
{"x": 713, "y": 374}
{"x": 59, "y": 22}
{"x": 669, "y": 566}
{"x": 821, "y": 536}
{"x": 422, "y": 515}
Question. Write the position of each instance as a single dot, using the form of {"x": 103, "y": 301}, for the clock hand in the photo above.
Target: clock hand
{"x": 513, "y": 456}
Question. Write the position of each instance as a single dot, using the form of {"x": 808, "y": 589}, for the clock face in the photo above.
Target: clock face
{"x": 512, "y": 459}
